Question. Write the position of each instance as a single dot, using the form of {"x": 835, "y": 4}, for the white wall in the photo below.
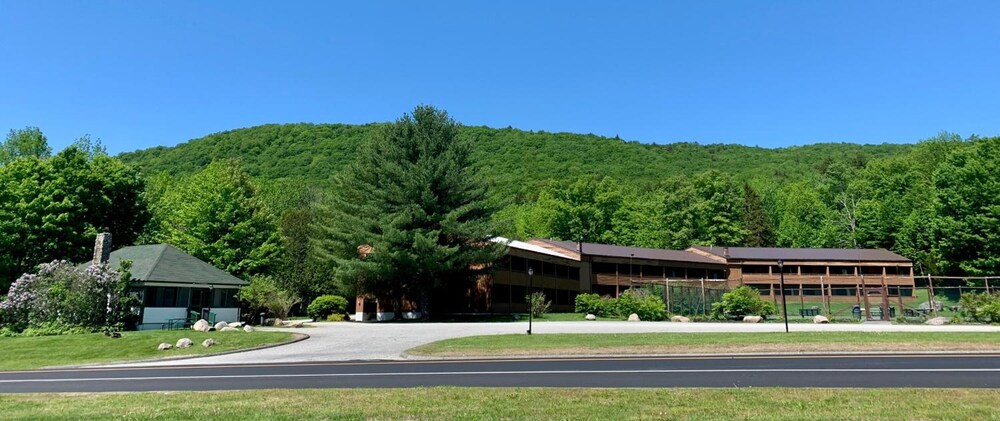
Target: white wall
{"x": 160, "y": 315}
{"x": 226, "y": 314}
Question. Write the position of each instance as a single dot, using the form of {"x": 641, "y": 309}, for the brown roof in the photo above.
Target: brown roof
{"x": 791, "y": 254}
{"x": 606, "y": 250}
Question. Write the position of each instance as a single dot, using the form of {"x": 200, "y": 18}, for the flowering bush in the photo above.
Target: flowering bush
{"x": 61, "y": 294}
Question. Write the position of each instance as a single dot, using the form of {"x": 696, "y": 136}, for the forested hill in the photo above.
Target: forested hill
{"x": 516, "y": 161}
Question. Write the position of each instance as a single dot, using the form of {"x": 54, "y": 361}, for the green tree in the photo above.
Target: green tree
{"x": 51, "y": 209}
{"x": 804, "y": 219}
{"x": 216, "y": 215}
{"x": 706, "y": 209}
{"x": 28, "y": 142}
{"x": 760, "y": 231}
{"x": 410, "y": 214}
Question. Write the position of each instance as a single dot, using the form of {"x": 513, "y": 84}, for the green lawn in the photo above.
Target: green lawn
{"x": 671, "y": 343}
{"x": 48, "y": 351}
{"x": 516, "y": 403}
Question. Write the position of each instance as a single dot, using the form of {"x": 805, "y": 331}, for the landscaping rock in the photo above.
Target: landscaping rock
{"x": 751, "y": 319}
{"x": 236, "y": 324}
{"x": 591, "y": 317}
{"x": 164, "y": 347}
{"x": 633, "y": 317}
{"x": 229, "y": 329}
{"x": 208, "y": 342}
{"x": 938, "y": 321}
{"x": 184, "y": 343}
{"x": 201, "y": 325}
{"x": 248, "y": 328}
{"x": 818, "y": 319}
{"x": 680, "y": 319}
{"x": 296, "y": 324}
{"x": 220, "y": 325}
{"x": 279, "y": 322}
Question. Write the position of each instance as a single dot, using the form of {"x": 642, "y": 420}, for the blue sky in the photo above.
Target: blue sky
{"x": 767, "y": 73}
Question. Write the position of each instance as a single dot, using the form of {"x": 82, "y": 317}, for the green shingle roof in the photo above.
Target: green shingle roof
{"x": 165, "y": 263}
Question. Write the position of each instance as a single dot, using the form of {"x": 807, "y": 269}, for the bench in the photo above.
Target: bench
{"x": 805, "y": 312}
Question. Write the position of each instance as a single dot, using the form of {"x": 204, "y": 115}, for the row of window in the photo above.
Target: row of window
{"x": 516, "y": 294}
{"x": 821, "y": 270}
{"x": 189, "y": 297}
{"x": 816, "y": 290}
{"x": 651, "y": 271}
{"x": 552, "y": 270}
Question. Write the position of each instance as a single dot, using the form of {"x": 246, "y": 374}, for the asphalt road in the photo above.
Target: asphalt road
{"x": 981, "y": 371}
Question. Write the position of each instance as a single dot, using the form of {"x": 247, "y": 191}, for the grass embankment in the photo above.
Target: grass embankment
{"x": 681, "y": 343}
{"x": 49, "y": 351}
{"x": 517, "y": 403}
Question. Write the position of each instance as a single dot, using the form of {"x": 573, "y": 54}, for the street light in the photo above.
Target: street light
{"x": 531, "y": 297}
{"x": 784, "y": 304}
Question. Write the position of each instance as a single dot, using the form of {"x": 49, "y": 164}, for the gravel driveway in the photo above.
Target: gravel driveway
{"x": 344, "y": 341}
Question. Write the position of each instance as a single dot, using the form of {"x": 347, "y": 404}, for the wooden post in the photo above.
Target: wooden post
{"x": 617, "y": 282}
{"x": 703, "y": 304}
{"x": 802, "y": 299}
{"x": 930, "y": 297}
{"x": 822, "y": 296}
{"x": 666, "y": 287}
{"x": 987, "y": 281}
{"x": 864, "y": 293}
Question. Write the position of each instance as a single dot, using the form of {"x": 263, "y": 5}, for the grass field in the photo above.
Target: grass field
{"x": 49, "y": 351}
{"x": 517, "y": 403}
{"x": 679, "y": 343}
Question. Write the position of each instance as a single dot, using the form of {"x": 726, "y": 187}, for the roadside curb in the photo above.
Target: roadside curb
{"x": 407, "y": 356}
{"x": 296, "y": 337}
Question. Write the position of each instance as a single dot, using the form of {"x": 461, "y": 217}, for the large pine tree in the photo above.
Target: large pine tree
{"x": 410, "y": 215}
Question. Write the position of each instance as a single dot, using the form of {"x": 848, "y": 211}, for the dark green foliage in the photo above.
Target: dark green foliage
{"x": 326, "y": 305}
{"x": 742, "y": 301}
{"x": 759, "y": 230}
{"x": 594, "y": 304}
{"x": 641, "y": 302}
{"x": 980, "y": 307}
{"x": 410, "y": 214}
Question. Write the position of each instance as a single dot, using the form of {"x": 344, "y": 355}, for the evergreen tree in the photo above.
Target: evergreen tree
{"x": 410, "y": 214}
{"x": 760, "y": 232}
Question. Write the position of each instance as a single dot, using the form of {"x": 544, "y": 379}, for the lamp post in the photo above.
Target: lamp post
{"x": 784, "y": 304}
{"x": 531, "y": 297}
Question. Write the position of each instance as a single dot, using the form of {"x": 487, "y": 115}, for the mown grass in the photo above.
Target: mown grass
{"x": 23, "y": 353}
{"x": 516, "y": 403}
{"x": 679, "y": 343}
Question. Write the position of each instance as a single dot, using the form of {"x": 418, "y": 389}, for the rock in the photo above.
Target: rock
{"x": 591, "y": 317}
{"x": 296, "y": 324}
{"x": 184, "y": 343}
{"x": 208, "y": 342}
{"x": 164, "y": 347}
{"x": 818, "y": 319}
{"x": 236, "y": 324}
{"x": 220, "y": 325}
{"x": 279, "y": 322}
{"x": 938, "y": 321}
{"x": 229, "y": 329}
{"x": 680, "y": 319}
{"x": 633, "y": 317}
{"x": 201, "y": 325}
{"x": 248, "y": 328}
{"x": 751, "y": 319}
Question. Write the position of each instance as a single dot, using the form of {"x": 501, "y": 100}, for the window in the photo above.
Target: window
{"x": 788, "y": 269}
{"x": 871, "y": 270}
{"x": 813, "y": 270}
{"x": 674, "y": 272}
{"x": 842, "y": 270}
{"x": 716, "y": 274}
{"x": 755, "y": 269}
{"x": 649, "y": 271}
{"x": 518, "y": 293}
{"x": 225, "y": 298}
{"x": 764, "y": 289}
{"x": 161, "y": 297}
{"x": 604, "y": 268}
{"x": 518, "y": 264}
{"x": 843, "y": 291}
{"x": 561, "y": 271}
{"x": 811, "y": 290}
{"x": 574, "y": 273}
{"x": 548, "y": 269}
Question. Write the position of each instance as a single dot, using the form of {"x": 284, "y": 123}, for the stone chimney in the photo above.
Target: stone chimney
{"x": 102, "y": 248}
{"x": 725, "y": 252}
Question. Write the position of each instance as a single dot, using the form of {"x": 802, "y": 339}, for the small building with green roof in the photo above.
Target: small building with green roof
{"x": 175, "y": 287}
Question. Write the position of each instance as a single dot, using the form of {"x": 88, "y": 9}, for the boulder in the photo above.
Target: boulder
{"x": 818, "y": 319}
{"x": 938, "y": 321}
{"x": 279, "y": 322}
{"x": 184, "y": 343}
{"x": 164, "y": 347}
{"x": 201, "y": 325}
{"x": 633, "y": 317}
{"x": 208, "y": 342}
{"x": 751, "y": 319}
{"x": 236, "y": 324}
{"x": 220, "y": 325}
{"x": 591, "y": 317}
{"x": 296, "y": 324}
{"x": 680, "y": 319}
{"x": 229, "y": 329}
{"x": 248, "y": 328}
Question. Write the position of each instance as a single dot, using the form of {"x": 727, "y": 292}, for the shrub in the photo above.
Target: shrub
{"x": 643, "y": 303}
{"x": 539, "y": 305}
{"x": 265, "y": 293}
{"x": 980, "y": 307}
{"x": 742, "y": 301}
{"x": 595, "y": 304}
{"x": 325, "y": 306}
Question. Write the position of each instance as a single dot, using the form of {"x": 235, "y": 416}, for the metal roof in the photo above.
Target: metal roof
{"x": 165, "y": 263}
{"x": 812, "y": 254}
{"x": 607, "y": 250}
{"x": 521, "y": 245}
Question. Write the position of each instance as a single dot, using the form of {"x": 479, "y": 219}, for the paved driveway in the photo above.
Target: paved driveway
{"x": 387, "y": 341}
